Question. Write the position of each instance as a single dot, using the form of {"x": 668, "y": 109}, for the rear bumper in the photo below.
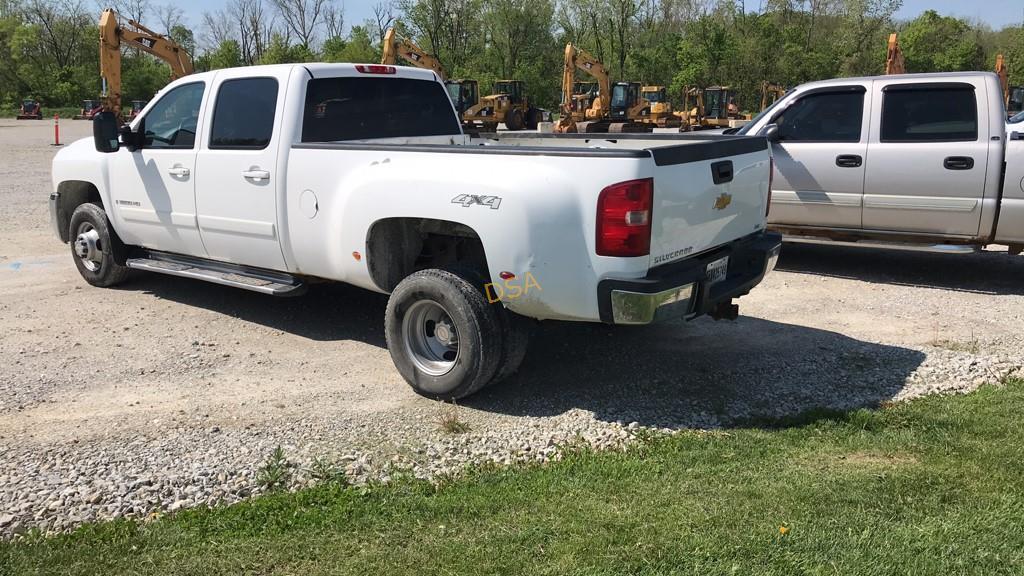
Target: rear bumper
{"x": 680, "y": 289}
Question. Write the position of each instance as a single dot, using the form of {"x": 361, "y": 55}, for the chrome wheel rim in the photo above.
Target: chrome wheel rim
{"x": 88, "y": 248}
{"x": 431, "y": 339}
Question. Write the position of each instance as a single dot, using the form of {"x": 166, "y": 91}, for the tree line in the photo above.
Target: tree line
{"x": 48, "y": 48}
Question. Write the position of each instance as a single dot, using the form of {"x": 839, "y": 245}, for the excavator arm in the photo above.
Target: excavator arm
{"x": 113, "y": 36}
{"x": 395, "y": 46}
{"x": 579, "y": 58}
{"x": 1004, "y": 78}
{"x": 894, "y": 63}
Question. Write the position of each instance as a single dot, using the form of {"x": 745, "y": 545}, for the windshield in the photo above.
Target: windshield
{"x": 746, "y": 128}
{"x": 503, "y": 88}
{"x": 620, "y": 96}
{"x": 657, "y": 96}
{"x": 454, "y": 92}
{"x": 28, "y": 104}
{"x": 1016, "y": 118}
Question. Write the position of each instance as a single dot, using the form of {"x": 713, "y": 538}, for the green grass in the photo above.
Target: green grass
{"x": 935, "y": 486}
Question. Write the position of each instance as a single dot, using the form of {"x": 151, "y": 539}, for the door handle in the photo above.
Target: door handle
{"x": 849, "y": 161}
{"x": 179, "y": 171}
{"x": 958, "y": 163}
{"x": 256, "y": 174}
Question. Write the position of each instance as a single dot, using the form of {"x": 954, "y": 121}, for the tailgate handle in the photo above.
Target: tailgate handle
{"x": 958, "y": 163}
{"x": 721, "y": 172}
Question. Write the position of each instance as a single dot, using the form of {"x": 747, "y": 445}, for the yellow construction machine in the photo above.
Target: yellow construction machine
{"x": 464, "y": 93}
{"x": 659, "y": 108}
{"x": 113, "y": 36}
{"x": 508, "y": 103}
{"x": 771, "y": 93}
{"x": 580, "y": 108}
{"x": 613, "y": 109}
{"x": 894, "y": 62}
{"x": 1013, "y": 96}
{"x": 713, "y": 107}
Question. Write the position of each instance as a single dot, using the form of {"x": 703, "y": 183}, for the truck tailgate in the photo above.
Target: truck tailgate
{"x": 706, "y": 194}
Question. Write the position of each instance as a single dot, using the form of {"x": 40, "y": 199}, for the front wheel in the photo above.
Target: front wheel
{"x": 443, "y": 336}
{"x": 514, "y": 120}
{"x": 97, "y": 251}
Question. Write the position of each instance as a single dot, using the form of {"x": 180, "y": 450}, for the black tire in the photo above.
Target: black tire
{"x": 515, "y": 329}
{"x": 478, "y": 339}
{"x": 100, "y": 257}
{"x": 514, "y": 119}
{"x": 532, "y": 118}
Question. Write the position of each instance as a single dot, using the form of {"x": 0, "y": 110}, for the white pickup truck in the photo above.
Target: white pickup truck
{"x": 914, "y": 158}
{"x": 267, "y": 178}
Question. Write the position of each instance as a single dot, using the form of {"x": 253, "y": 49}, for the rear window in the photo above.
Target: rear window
{"x": 356, "y": 108}
{"x": 929, "y": 113}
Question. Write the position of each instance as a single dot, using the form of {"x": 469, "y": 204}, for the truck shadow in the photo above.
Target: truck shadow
{"x": 327, "y": 312}
{"x": 699, "y": 374}
{"x": 996, "y": 273}
{"x": 672, "y": 375}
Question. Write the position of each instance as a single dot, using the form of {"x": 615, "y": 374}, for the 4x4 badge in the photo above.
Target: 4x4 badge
{"x": 468, "y": 200}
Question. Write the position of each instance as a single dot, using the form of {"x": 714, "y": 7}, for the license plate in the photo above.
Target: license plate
{"x": 717, "y": 270}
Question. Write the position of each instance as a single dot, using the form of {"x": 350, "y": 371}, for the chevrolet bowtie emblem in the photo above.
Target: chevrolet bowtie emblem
{"x": 722, "y": 201}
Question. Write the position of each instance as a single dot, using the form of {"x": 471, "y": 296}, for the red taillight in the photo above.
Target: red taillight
{"x": 375, "y": 69}
{"x": 624, "y": 218}
{"x": 771, "y": 180}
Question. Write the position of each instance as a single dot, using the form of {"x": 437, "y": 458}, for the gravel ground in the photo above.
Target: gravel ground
{"x": 168, "y": 393}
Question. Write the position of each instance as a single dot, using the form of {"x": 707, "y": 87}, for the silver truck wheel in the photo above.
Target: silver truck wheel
{"x": 443, "y": 336}
{"x": 430, "y": 337}
{"x": 98, "y": 252}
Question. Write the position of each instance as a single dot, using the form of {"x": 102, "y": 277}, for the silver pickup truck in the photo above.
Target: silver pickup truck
{"x": 916, "y": 158}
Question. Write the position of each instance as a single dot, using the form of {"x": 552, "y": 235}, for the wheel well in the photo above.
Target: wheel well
{"x": 397, "y": 247}
{"x": 73, "y": 194}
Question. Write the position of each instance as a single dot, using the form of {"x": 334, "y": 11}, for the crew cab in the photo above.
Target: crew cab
{"x": 269, "y": 178}
{"x": 915, "y": 158}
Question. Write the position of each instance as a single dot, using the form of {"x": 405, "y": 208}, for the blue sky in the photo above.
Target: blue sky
{"x": 997, "y": 13}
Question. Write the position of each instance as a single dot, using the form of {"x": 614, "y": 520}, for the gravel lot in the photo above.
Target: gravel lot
{"x": 169, "y": 393}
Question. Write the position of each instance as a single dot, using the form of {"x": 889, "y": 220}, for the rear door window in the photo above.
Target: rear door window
{"x": 823, "y": 117}
{"x": 929, "y": 113}
{"x": 243, "y": 117}
{"x": 362, "y": 108}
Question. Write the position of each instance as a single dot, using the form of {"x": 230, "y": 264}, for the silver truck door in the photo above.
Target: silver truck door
{"x": 929, "y": 157}
{"x": 820, "y": 158}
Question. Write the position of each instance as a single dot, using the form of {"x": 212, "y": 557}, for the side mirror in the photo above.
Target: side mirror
{"x": 771, "y": 132}
{"x": 104, "y": 132}
{"x": 134, "y": 140}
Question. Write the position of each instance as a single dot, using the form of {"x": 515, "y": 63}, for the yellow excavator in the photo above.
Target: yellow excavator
{"x": 113, "y": 36}
{"x": 894, "y": 62}
{"x": 579, "y": 110}
{"x": 771, "y": 93}
{"x": 1013, "y": 96}
{"x": 508, "y": 104}
{"x": 464, "y": 93}
{"x": 615, "y": 108}
{"x": 395, "y": 46}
